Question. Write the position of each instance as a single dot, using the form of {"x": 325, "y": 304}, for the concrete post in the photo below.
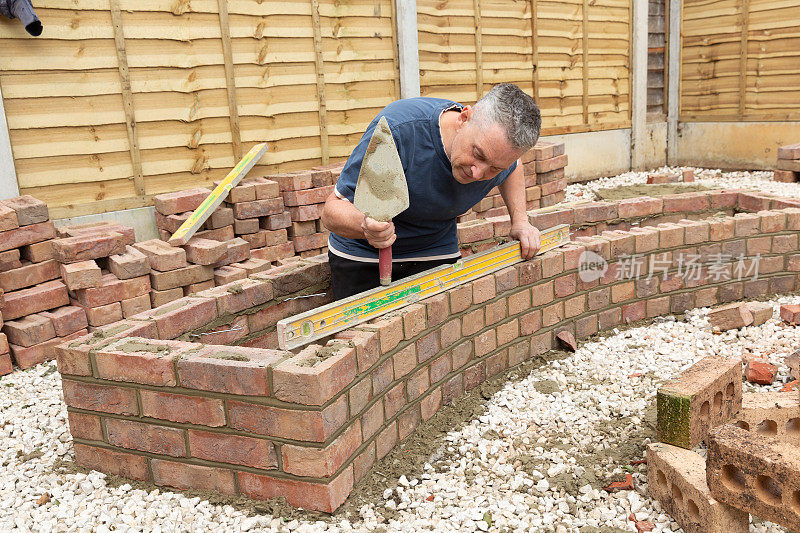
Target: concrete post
{"x": 8, "y": 174}
{"x": 673, "y": 80}
{"x": 408, "y": 47}
{"x": 639, "y": 73}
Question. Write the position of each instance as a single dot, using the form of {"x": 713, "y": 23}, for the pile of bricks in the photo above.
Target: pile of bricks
{"x": 752, "y": 465}
{"x": 656, "y": 178}
{"x": 36, "y": 306}
{"x": 788, "y": 167}
{"x": 106, "y": 277}
{"x": 545, "y": 182}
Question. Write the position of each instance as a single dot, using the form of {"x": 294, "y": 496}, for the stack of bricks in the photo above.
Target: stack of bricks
{"x": 170, "y": 276}
{"x": 788, "y": 167}
{"x": 304, "y": 194}
{"x": 106, "y": 277}
{"x": 545, "y": 182}
{"x": 35, "y": 314}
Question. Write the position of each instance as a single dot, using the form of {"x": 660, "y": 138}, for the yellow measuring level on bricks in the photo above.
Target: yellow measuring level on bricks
{"x": 323, "y": 321}
{"x": 212, "y": 201}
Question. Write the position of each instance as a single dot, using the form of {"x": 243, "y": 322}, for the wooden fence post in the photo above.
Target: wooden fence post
{"x": 408, "y": 47}
{"x": 476, "y": 5}
{"x": 319, "y": 66}
{"x": 673, "y": 80}
{"x": 230, "y": 79}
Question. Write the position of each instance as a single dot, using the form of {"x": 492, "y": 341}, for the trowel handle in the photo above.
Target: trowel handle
{"x": 385, "y": 265}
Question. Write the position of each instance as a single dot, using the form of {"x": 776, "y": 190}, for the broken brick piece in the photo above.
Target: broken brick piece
{"x": 761, "y": 312}
{"x": 790, "y": 314}
{"x": 677, "y": 479}
{"x": 732, "y": 316}
{"x": 621, "y": 485}
{"x": 755, "y": 473}
{"x": 760, "y": 372}
{"x": 705, "y": 395}
{"x": 567, "y": 340}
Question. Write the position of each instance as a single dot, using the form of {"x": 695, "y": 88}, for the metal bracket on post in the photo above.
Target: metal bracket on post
{"x": 408, "y": 47}
{"x": 9, "y": 187}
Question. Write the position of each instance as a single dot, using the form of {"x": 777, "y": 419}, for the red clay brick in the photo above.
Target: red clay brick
{"x": 312, "y": 426}
{"x": 182, "y": 408}
{"x": 29, "y": 330}
{"x": 42, "y": 297}
{"x": 28, "y": 275}
{"x": 112, "y": 462}
{"x": 430, "y": 404}
{"x": 460, "y": 298}
{"x": 366, "y": 344}
{"x": 386, "y": 440}
{"x": 372, "y": 420}
{"x": 106, "y": 399}
{"x": 186, "y": 476}
{"x": 437, "y": 309}
{"x": 29, "y": 210}
{"x": 181, "y": 316}
{"x": 27, "y": 235}
{"x": 297, "y": 380}
{"x": 313, "y": 496}
{"x": 404, "y": 361}
{"x": 85, "y": 426}
{"x": 394, "y": 400}
{"x": 324, "y": 462}
{"x": 80, "y": 275}
{"x": 146, "y": 437}
{"x": 232, "y": 449}
{"x": 66, "y": 320}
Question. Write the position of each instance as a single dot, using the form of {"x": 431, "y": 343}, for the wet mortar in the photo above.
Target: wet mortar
{"x": 655, "y": 190}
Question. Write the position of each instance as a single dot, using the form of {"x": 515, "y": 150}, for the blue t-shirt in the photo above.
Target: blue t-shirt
{"x": 427, "y": 229}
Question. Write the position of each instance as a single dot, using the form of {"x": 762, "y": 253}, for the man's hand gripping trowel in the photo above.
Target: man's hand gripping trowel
{"x": 381, "y": 191}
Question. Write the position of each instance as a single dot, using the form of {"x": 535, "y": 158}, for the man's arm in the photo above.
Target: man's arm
{"x": 513, "y": 192}
{"x": 341, "y": 217}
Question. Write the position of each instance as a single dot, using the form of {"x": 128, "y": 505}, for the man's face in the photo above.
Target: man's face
{"x": 480, "y": 151}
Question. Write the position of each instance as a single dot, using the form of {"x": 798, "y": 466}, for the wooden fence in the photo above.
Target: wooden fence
{"x": 120, "y": 100}
{"x": 739, "y": 60}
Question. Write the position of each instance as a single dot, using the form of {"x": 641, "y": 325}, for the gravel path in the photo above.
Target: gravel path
{"x": 534, "y": 461}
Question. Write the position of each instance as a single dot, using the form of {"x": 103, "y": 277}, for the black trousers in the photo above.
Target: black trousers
{"x": 352, "y": 277}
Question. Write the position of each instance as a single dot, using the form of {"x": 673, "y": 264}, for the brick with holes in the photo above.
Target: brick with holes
{"x": 775, "y": 414}
{"x": 707, "y": 394}
{"x": 755, "y": 473}
{"x": 677, "y": 479}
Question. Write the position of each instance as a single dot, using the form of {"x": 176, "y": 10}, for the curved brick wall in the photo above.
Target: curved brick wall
{"x": 257, "y": 421}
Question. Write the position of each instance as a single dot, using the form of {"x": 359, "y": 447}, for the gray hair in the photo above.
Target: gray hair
{"x": 514, "y": 111}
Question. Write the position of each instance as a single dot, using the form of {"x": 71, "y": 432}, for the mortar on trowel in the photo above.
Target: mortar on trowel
{"x": 381, "y": 190}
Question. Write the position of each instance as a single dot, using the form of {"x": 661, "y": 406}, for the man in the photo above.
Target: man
{"x": 452, "y": 155}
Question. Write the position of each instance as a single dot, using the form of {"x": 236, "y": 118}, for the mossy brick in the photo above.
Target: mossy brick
{"x": 180, "y": 201}
{"x": 100, "y": 398}
{"x": 122, "y": 464}
{"x": 746, "y": 224}
{"x": 181, "y": 316}
{"x": 42, "y": 297}
{"x": 292, "y": 424}
{"x": 308, "y": 461}
{"x": 707, "y": 394}
{"x": 755, "y": 473}
{"x": 29, "y": 274}
{"x": 316, "y": 374}
{"x": 677, "y": 479}
{"x": 28, "y": 235}
{"x": 182, "y": 408}
{"x": 184, "y": 476}
{"x": 150, "y": 438}
{"x": 136, "y": 360}
{"x": 321, "y": 497}
{"x": 29, "y": 330}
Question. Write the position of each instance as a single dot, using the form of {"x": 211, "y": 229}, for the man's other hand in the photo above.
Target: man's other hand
{"x": 530, "y": 240}
{"x": 378, "y": 234}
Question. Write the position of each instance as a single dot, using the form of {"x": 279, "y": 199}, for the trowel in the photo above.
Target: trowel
{"x": 381, "y": 190}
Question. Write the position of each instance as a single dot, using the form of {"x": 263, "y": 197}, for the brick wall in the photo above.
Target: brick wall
{"x": 253, "y": 420}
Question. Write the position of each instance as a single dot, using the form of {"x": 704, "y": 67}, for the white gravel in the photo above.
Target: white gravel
{"x": 501, "y": 472}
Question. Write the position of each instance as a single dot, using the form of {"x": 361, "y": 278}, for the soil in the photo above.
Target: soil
{"x": 654, "y": 190}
